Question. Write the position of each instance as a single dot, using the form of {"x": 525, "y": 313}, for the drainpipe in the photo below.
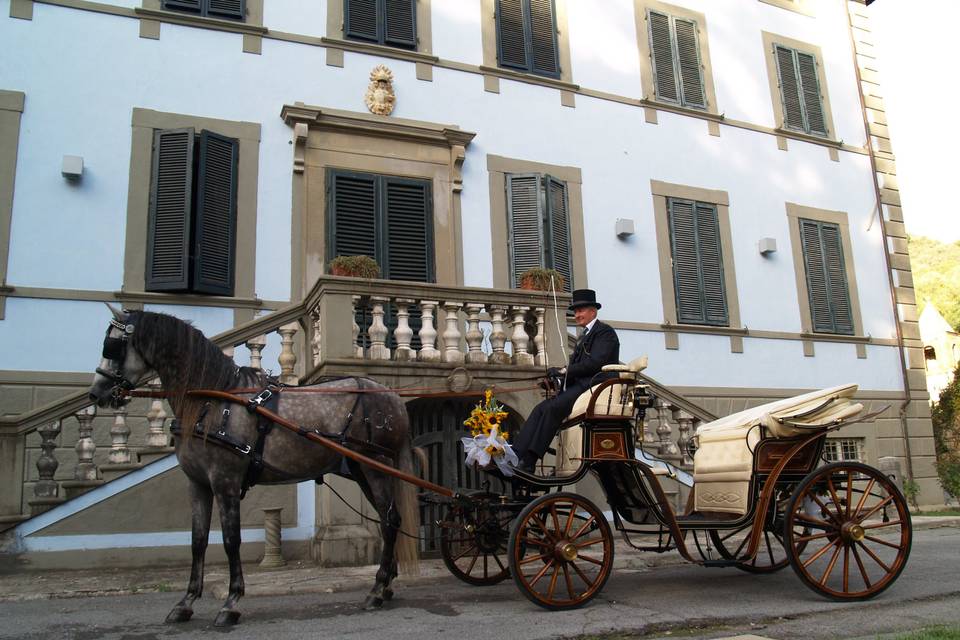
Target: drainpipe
{"x": 904, "y": 427}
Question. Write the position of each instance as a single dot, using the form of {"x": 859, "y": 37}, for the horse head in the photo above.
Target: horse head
{"x": 121, "y": 368}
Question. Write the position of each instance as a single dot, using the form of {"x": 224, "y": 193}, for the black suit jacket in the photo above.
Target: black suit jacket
{"x": 598, "y": 348}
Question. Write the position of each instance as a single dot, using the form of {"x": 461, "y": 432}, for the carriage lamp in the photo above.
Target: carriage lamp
{"x": 72, "y": 167}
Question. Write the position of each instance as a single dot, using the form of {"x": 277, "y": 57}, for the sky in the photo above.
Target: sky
{"x": 916, "y": 47}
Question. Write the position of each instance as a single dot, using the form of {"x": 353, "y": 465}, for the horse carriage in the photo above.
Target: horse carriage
{"x": 759, "y": 497}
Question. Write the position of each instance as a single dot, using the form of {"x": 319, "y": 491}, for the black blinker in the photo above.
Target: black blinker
{"x": 114, "y": 349}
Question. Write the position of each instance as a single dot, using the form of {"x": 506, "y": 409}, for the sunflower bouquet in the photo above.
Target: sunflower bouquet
{"x": 487, "y": 443}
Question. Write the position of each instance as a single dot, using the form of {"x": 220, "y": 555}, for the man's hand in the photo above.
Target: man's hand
{"x": 556, "y": 372}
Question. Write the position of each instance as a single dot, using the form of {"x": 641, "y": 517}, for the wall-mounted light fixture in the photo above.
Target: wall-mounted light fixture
{"x": 624, "y": 227}
{"x": 72, "y": 167}
{"x": 767, "y": 245}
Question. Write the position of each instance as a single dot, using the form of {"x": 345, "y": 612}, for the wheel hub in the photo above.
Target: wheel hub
{"x": 852, "y": 532}
{"x": 565, "y": 551}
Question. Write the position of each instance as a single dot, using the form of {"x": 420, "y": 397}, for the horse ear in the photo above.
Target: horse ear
{"x": 117, "y": 314}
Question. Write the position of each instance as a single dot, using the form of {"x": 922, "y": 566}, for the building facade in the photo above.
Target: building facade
{"x": 720, "y": 173}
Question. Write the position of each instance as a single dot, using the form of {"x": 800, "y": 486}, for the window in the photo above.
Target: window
{"x": 675, "y": 56}
{"x": 191, "y": 232}
{"x": 798, "y": 86}
{"x": 826, "y": 277}
{"x": 527, "y": 36}
{"x": 838, "y": 450}
{"x": 229, "y": 9}
{"x": 11, "y": 107}
{"x": 387, "y": 22}
{"x": 697, "y": 263}
{"x": 386, "y": 217}
{"x": 539, "y": 226}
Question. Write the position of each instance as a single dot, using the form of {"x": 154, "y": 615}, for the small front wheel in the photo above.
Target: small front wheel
{"x": 473, "y": 540}
{"x": 848, "y": 531}
{"x": 561, "y": 551}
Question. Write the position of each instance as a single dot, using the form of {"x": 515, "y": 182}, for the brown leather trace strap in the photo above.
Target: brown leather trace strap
{"x": 326, "y": 442}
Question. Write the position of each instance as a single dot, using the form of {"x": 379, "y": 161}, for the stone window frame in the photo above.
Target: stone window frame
{"x": 770, "y": 40}
{"x": 641, "y": 7}
{"x": 11, "y": 108}
{"x": 497, "y": 168}
{"x": 492, "y": 71}
{"x": 152, "y": 14}
{"x": 660, "y": 192}
{"x": 840, "y": 218}
{"x": 333, "y": 139}
{"x": 803, "y": 7}
{"x": 144, "y": 122}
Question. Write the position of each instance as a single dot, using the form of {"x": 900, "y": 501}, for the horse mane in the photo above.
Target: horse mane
{"x": 185, "y": 359}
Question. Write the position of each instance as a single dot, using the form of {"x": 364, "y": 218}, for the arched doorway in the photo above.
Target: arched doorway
{"x": 436, "y": 426}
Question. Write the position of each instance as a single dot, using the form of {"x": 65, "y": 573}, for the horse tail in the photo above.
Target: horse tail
{"x": 409, "y": 509}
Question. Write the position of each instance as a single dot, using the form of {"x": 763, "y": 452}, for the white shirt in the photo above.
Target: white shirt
{"x": 589, "y": 326}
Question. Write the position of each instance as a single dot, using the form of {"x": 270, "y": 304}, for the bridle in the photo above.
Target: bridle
{"x": 115, "y": 350}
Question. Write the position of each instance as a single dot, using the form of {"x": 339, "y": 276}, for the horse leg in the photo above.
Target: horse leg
{"x": 229, "y": 504}
{"x": 378, "y": 490}
{"x": 201, "y": 501}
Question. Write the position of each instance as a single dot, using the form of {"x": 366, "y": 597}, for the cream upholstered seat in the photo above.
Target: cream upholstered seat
{"x": 723, "y": 464}
{"x": 610, "y": 402}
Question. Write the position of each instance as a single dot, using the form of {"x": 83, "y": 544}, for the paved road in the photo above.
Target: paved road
{"x": 670, "y": 600}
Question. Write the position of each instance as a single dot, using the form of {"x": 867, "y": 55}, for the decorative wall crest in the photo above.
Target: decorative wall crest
{"x": 380, "y": 98}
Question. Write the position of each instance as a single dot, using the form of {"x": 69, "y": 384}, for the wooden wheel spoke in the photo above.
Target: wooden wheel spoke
{"x": 540, "y": 558}
{"x": 570, "y": 518}
{"x": 849, "y": 490}
{"x": 553, "y": 581}
{"x": 555, "y": 517}
{"x": 766, "y": 537}
{"x": 591, "y": 560}
{"x": 486, "y": 568}
{"x": 535, "y": 541}
{"x": 833, "y": 495}
{"x": 500, "y": 564}
{"x": 863, "y": 498}
{"x": 816, "y": 536}
{"x": 883, "y": 542}
{"x": 569, "y": 581}
{"x": 874, "y": 556}
{"x": 815, "y": 522}
{"x": 830, "y": 565}
{"x": 468, "y": 550}
{"x": 819, "y": 553}
{"x": 583, "y": 528}
{"x": 846, "y": 569}
{"x": 587, "y": 581}
{"x": 588, "y": 543}
{"x": 542, "y": 572}
{"x": 880, "y": 525}
{"x": 473, "y": 562}
{"x": 863, "y": 571}
{"x": 826, "y": 510}
{"x": 876, "y": 508}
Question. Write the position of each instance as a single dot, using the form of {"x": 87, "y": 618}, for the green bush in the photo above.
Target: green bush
{"x": 946, "y": 435}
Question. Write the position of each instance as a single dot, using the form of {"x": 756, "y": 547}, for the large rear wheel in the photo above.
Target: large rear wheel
{"x": 848, "y": 531}
{"x": 561, "y": 551}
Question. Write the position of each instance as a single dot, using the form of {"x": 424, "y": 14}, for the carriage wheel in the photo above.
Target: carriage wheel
{"x": 473, "y": 541}
{"x": 561, "y": 551}
{"x": 848, "y": 531}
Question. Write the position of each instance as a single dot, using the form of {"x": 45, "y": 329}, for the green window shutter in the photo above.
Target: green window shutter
{"x": 192, "y": 6}
{"x": 409, "y": 230}
{"x": 525, "y": 212}
{"x": 661, "y": 50}
{"x": 231, "y": 9}
{"x": 400, "y": 27}
{"x": 543, "y": 37}
{"x": 511, "y": 35}
{"x": 352, "y": 217}
{"x": 557, "y": 248}
{"x": 697, "y": 263}
{"x": 171, "y": 197}
{"x": 360, "y": 20}
{"x": 789, "y": 89}
{"x": 812, "y": 106}
{"x": 688, "y": 58}
{"x": 215, "y": 217}
{"x": 826, "y": 277}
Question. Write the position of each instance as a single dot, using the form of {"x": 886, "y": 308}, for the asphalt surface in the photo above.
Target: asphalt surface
{"x": 652, "y": 598}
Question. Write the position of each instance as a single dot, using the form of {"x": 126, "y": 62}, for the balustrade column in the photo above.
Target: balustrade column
{"x": 256, "y": 345}
{"x": 474, "y": 336}
{"x": 520, "y": 339}
{"x": 378, "y": 349}
{"x": 685, "y": 422}
{"x": 316, "y": 337}
{"x": 650, "y": 424}
{"x": 665, "y": 446}
{"x": 451, "y": 335}
{"x": 540, "y": 339}
{"x": 403, "y": 334}
{"x": 357, "y": 349}
{"x": 428, "y": 334}
{"x": 288, "y": 358}
{"x": 47, "y": 463}
{"x": 86, "y": 448}
{"x": 156, "y": 416}
{"x": 119, "y": 437}
{"x": 272, "y": 556}
{"x": 498, "y": 337}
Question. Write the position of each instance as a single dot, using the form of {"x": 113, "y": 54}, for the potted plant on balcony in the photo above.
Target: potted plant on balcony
{"x": 538, "y": 279}
{"x": 355, "y": 266}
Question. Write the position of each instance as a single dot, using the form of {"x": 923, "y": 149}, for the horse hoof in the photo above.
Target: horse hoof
{"x": 179, "y": 614}
{"x": 388, "y": 594}
{"x": 373, "y": 603}
{"x": 227, "y": 618}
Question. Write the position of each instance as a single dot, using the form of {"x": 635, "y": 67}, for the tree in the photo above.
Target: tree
{"x": 946, "y": 434}
{"x": 936, "y": 275}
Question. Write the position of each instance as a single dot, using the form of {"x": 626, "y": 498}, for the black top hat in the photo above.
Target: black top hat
{"x": 584, "y": 298}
